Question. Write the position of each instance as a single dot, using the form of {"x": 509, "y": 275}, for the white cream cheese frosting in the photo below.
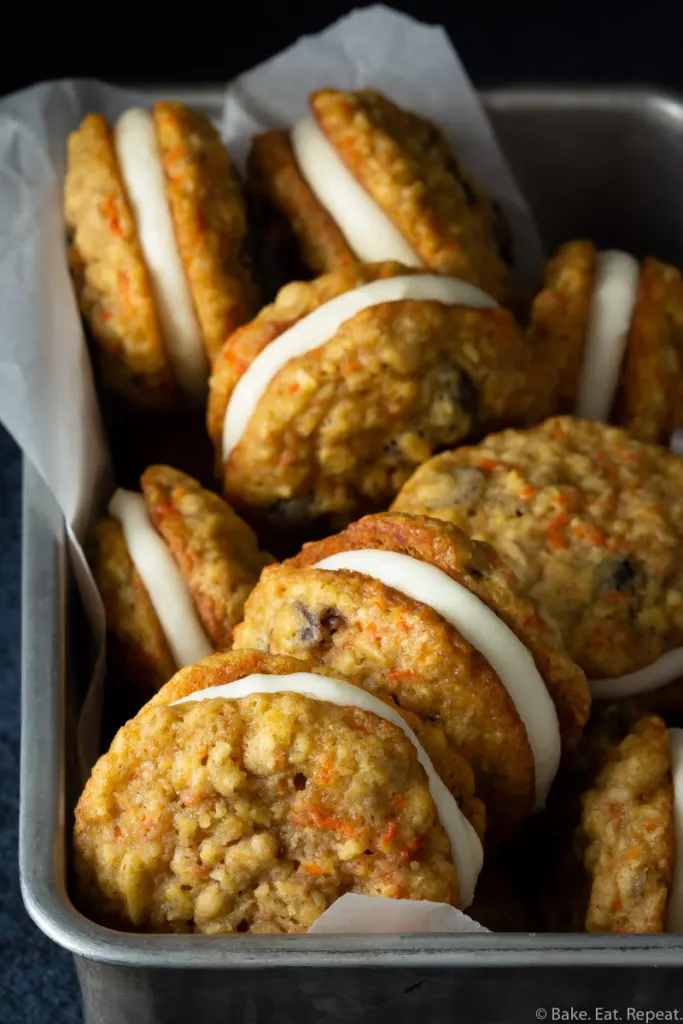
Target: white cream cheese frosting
{"x": 612, "y": 303}
{"x": 142, "y": 170}
{"x": 674, "y": 908}
{"x": 370, "y": 232}
{"x": 314, "y": 330}
{"x": 465, "y": 845}
{"x": 481, "y": 627}
{"x": 163, "y": 580}
{"x": 665, "y": 670}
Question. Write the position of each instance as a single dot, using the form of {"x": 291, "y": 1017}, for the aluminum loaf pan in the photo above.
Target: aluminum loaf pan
{"x": 600, "y": 163}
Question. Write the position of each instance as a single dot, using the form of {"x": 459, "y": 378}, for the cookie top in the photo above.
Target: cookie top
{"x": 218, "y": 554}
{"x": 590, "y": 520}
{"x": 626, "y": 835}
{"x": 406, "y": 165}
{"x": 209, "y": 214}
{"x": 255, "y": 814}
{"x": 650, "y": 401}
{"x": 559, "y": 317}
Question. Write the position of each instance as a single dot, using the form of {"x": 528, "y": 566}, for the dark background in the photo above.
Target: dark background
{"x": 167, "y": 42}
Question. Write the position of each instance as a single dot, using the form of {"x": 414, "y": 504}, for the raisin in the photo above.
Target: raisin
{"x": 618, "y": 572}
{"x": 319, "y": 628}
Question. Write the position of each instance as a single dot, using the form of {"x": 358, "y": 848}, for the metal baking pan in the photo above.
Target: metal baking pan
{"x": 601, "y": 163}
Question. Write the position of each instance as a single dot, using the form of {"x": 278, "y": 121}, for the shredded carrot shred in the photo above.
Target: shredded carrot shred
{"x": 486, "y": 465}
{"x": 124, "y": 286}
{"x": 527, "y": 493}
{"x": 113, "y": 214}
{"x": 559, "y": 521}
{"x": 390, "y": 832}
{"x": 323, "y": 820}
{"x": 325, "y": 773}
{"x": 313, "y": 869}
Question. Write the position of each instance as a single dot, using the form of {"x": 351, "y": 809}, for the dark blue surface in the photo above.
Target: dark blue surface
{"x": 37, "y": 980}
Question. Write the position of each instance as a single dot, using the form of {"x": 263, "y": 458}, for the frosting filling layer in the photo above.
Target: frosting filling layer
{"x": 609, "y": 321}
{"x": 465, "y": 845}
{"x": 371, "y": 234}
{"x": 665, "y": 670}
{"x": 142, "y": 170}
{"x": 163, "y": 580}
{"x": 482, "y": 628}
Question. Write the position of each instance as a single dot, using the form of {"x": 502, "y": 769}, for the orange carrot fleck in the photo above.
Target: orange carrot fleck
{"x": 124, "y": 286}
{"x": 414, "y": 846}
{"x": 323, "y": 820}
{"x": 325, "y": 773}
{"x": 527, "y": 493}
{"x": 559, "y": 521}
{"x": 390, "y": 832}
{"x": 313, "y": 869}
{"x": 560, "y": 435}
{"x": 555, "y": 542}
{"x": 113, "y": 214}
{"x": 398, "y": 674}
{"x": 486, "y": 465}
{"x": 174, "y": 155}
{"x": 397, "y": 801}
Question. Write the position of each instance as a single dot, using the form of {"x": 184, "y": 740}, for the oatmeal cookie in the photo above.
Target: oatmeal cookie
{"x": 113, "y": 274}
{"x": 591, "y": 522}
{"x": 404, "y": 164}
{"x": 218, "y": 558}
{"x": 623, "y": 850}
{"x": 254, "y": 814}
{"x": 645, "y": 392}
{"x": 338, "y": 429}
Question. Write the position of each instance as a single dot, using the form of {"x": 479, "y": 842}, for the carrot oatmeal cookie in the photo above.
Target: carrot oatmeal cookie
{"x": 259, "y": 797}
{"x": 591, "y": 521}
{"x": 361, "y": 180}
{"x": 418, "y": 613}
{"x": 174, "y": 566}
{"x": 157, "y": 230}
{"x": 611, "y": 329}
{"x": 324, "y": 404}
{"x": 618, "y": 871}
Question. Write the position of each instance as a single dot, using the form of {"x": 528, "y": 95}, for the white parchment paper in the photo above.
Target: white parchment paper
{"x": 371, "y": 915}
{"x": 47, "y": 397}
